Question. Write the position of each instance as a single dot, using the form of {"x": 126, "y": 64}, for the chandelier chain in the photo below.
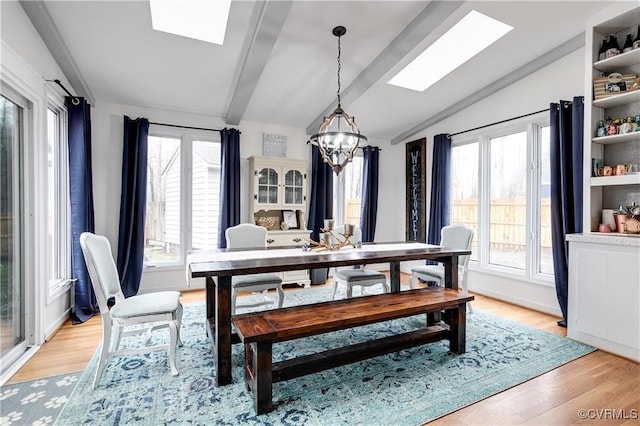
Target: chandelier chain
{"x": 339, "y": 67}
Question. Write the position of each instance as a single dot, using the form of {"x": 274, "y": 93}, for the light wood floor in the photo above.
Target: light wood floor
{"x": 598, "y": 381}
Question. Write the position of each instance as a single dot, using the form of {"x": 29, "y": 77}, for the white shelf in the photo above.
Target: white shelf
{"x": 616, "y": 100}
{"x": 616, "y": 180}
{"x": 625, "y": 137}
{"x": 616, "y": 63}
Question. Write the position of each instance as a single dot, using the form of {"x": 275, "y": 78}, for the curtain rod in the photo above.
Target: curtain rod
{"x": 499, "y": 122}
{"x": 74, "y": 99}
{"x": 185, "y": 127}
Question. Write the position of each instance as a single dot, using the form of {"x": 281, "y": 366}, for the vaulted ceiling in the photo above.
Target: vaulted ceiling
{"x": 278, "y": 62}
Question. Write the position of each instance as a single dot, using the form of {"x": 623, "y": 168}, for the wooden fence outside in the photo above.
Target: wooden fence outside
{"x": 508, "y": 221}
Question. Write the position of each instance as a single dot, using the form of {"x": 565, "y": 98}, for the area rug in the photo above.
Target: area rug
{"x": 35, "y": 402}
{"x": 409, "y": 387}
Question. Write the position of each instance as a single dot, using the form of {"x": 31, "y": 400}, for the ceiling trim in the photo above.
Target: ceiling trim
{"x": 271, "y": 16}
{"x": 413, "y": 34}
{"x": 43, "y": 23}
{"x": 529, "y": 68}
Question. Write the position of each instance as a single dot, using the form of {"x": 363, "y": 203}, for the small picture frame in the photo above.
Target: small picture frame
{"x": 290, "y": 217}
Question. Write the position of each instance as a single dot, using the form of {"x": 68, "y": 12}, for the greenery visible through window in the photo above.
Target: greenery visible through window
{"x": 500, "y": 188}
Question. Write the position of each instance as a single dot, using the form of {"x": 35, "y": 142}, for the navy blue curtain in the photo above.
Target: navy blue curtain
{"x": 321, "y": 204}
{"x": 81, "y": 199}
{"x": 229, "y": 183}
{"x": 133, "y": 204}
{"x": 369, "y": 209}
{"x": 440, "y": 208}
{"x": 566, "y": 139}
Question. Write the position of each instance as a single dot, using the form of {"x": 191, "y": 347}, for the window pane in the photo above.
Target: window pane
{"x": 205, "y": 190}
{"x": 52, "y": 187}
{"x": 546, "y": 256}
{"x": 353, "y": 191}
{"x": 464, "y": 190}
{"x": 162, "y": 229}
{"x": 12, "y": 296}
{"x": 508, "y": 207}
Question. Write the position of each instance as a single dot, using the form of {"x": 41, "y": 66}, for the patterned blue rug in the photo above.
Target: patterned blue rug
{"x": 409, "y": 387}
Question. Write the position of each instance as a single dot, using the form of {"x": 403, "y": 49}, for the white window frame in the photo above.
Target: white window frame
{"x": 62, "y": 280}
{"x": 187, "y": 137}
{"x": 532, "y": 126}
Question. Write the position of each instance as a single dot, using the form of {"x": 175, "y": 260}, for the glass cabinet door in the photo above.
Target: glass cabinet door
{"x": 268, "y": 186}
{"x": 293, "y": 187}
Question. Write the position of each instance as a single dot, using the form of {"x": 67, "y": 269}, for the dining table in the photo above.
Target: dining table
{"x": 218, "y": 266}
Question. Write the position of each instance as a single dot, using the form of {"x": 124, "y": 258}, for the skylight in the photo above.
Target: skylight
{"x": 204, "y": 20}
{"x": 472, "y": 34}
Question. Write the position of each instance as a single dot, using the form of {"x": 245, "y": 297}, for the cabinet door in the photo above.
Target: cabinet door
{"x": 294, "y": 187}
{"x": 266, "y": 186}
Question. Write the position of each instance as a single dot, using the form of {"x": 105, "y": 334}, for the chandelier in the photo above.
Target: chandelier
{"x": 338, "y": 136}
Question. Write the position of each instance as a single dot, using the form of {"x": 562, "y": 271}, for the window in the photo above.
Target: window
{"x": 183, "y": 196}
{"x": 347, "y": 193}
{"x": 500, "y": 188}
{"x": 58, "y": 211}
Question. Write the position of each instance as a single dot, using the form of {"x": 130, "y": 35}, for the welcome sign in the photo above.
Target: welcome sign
{"x": 415, "y": 191}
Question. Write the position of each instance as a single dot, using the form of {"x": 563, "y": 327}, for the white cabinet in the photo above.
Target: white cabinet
{"x": 609, "y": 192}
{"x": 604, "y": 292}
{"x": 279, "y": 194}
{"x": 279, "y": 183}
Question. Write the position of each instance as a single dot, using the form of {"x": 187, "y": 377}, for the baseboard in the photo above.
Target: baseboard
{"x": 56, "y": 325}
{"x": 525, "y": 303}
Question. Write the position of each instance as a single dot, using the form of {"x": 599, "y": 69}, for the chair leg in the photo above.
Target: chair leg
{"x": 280, "y": 296}
{"x": 117, "y": 336}
{"x": 179, "y": 322}
{"x": 104, "y": 353}
{"x": 335, "y": 288}
{"x": 350, "y": 290}
{"x": 385, "y": 287}
{"x": 411, "y": 282}
{"x": 173, "y": 332}
{"x": 234, "y": 297}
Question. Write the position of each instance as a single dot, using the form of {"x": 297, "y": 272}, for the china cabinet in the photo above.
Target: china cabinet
{"x": 603, "y": 308}
{"x": 278, "y": 200}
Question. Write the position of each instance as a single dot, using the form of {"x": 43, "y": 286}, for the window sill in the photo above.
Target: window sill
{"x": 58, "y": 289}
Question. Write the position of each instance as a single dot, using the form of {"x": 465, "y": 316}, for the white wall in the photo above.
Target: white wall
{"x": 562, "y": 79}
{"x": 26, "y": 62}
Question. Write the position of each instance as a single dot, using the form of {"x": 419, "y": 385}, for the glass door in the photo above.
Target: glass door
{"x": 12, "y": 294}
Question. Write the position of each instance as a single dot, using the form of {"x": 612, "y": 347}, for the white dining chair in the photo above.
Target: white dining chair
{"x": 162, "y": 309}
{"x": 350, "y": 278}
{"x": 248, "y": 236}
{"x": 451, "y": 236}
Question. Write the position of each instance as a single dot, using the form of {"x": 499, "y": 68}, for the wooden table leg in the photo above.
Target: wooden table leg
{"x": 458, "y": 329}
{"x": 394, "y": 276}
{"x": 451, "y": 272}
{"x": 263, "y": 377}
{"x": 223, "y": 331}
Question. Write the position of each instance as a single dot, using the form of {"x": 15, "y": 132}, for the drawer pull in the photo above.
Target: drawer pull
{"x": 297, "y": 240}
{"x": 270, "y": 241}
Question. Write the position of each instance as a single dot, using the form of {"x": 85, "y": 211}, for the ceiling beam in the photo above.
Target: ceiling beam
{"x": 270, "y": 17}
{"x": 413, "y": 34}
{"x": 43, "y": 23}
{"x": 527, "y": 69}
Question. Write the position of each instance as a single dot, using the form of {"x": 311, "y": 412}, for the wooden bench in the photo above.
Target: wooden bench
{"x": 259, "y": 330}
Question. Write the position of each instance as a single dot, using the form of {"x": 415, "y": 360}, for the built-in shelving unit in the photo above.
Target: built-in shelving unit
{"x": 603, "y": 267}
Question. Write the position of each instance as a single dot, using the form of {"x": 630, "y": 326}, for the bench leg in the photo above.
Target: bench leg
{"x": 261, "y": 382}
{"x": 457, "y": 329}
